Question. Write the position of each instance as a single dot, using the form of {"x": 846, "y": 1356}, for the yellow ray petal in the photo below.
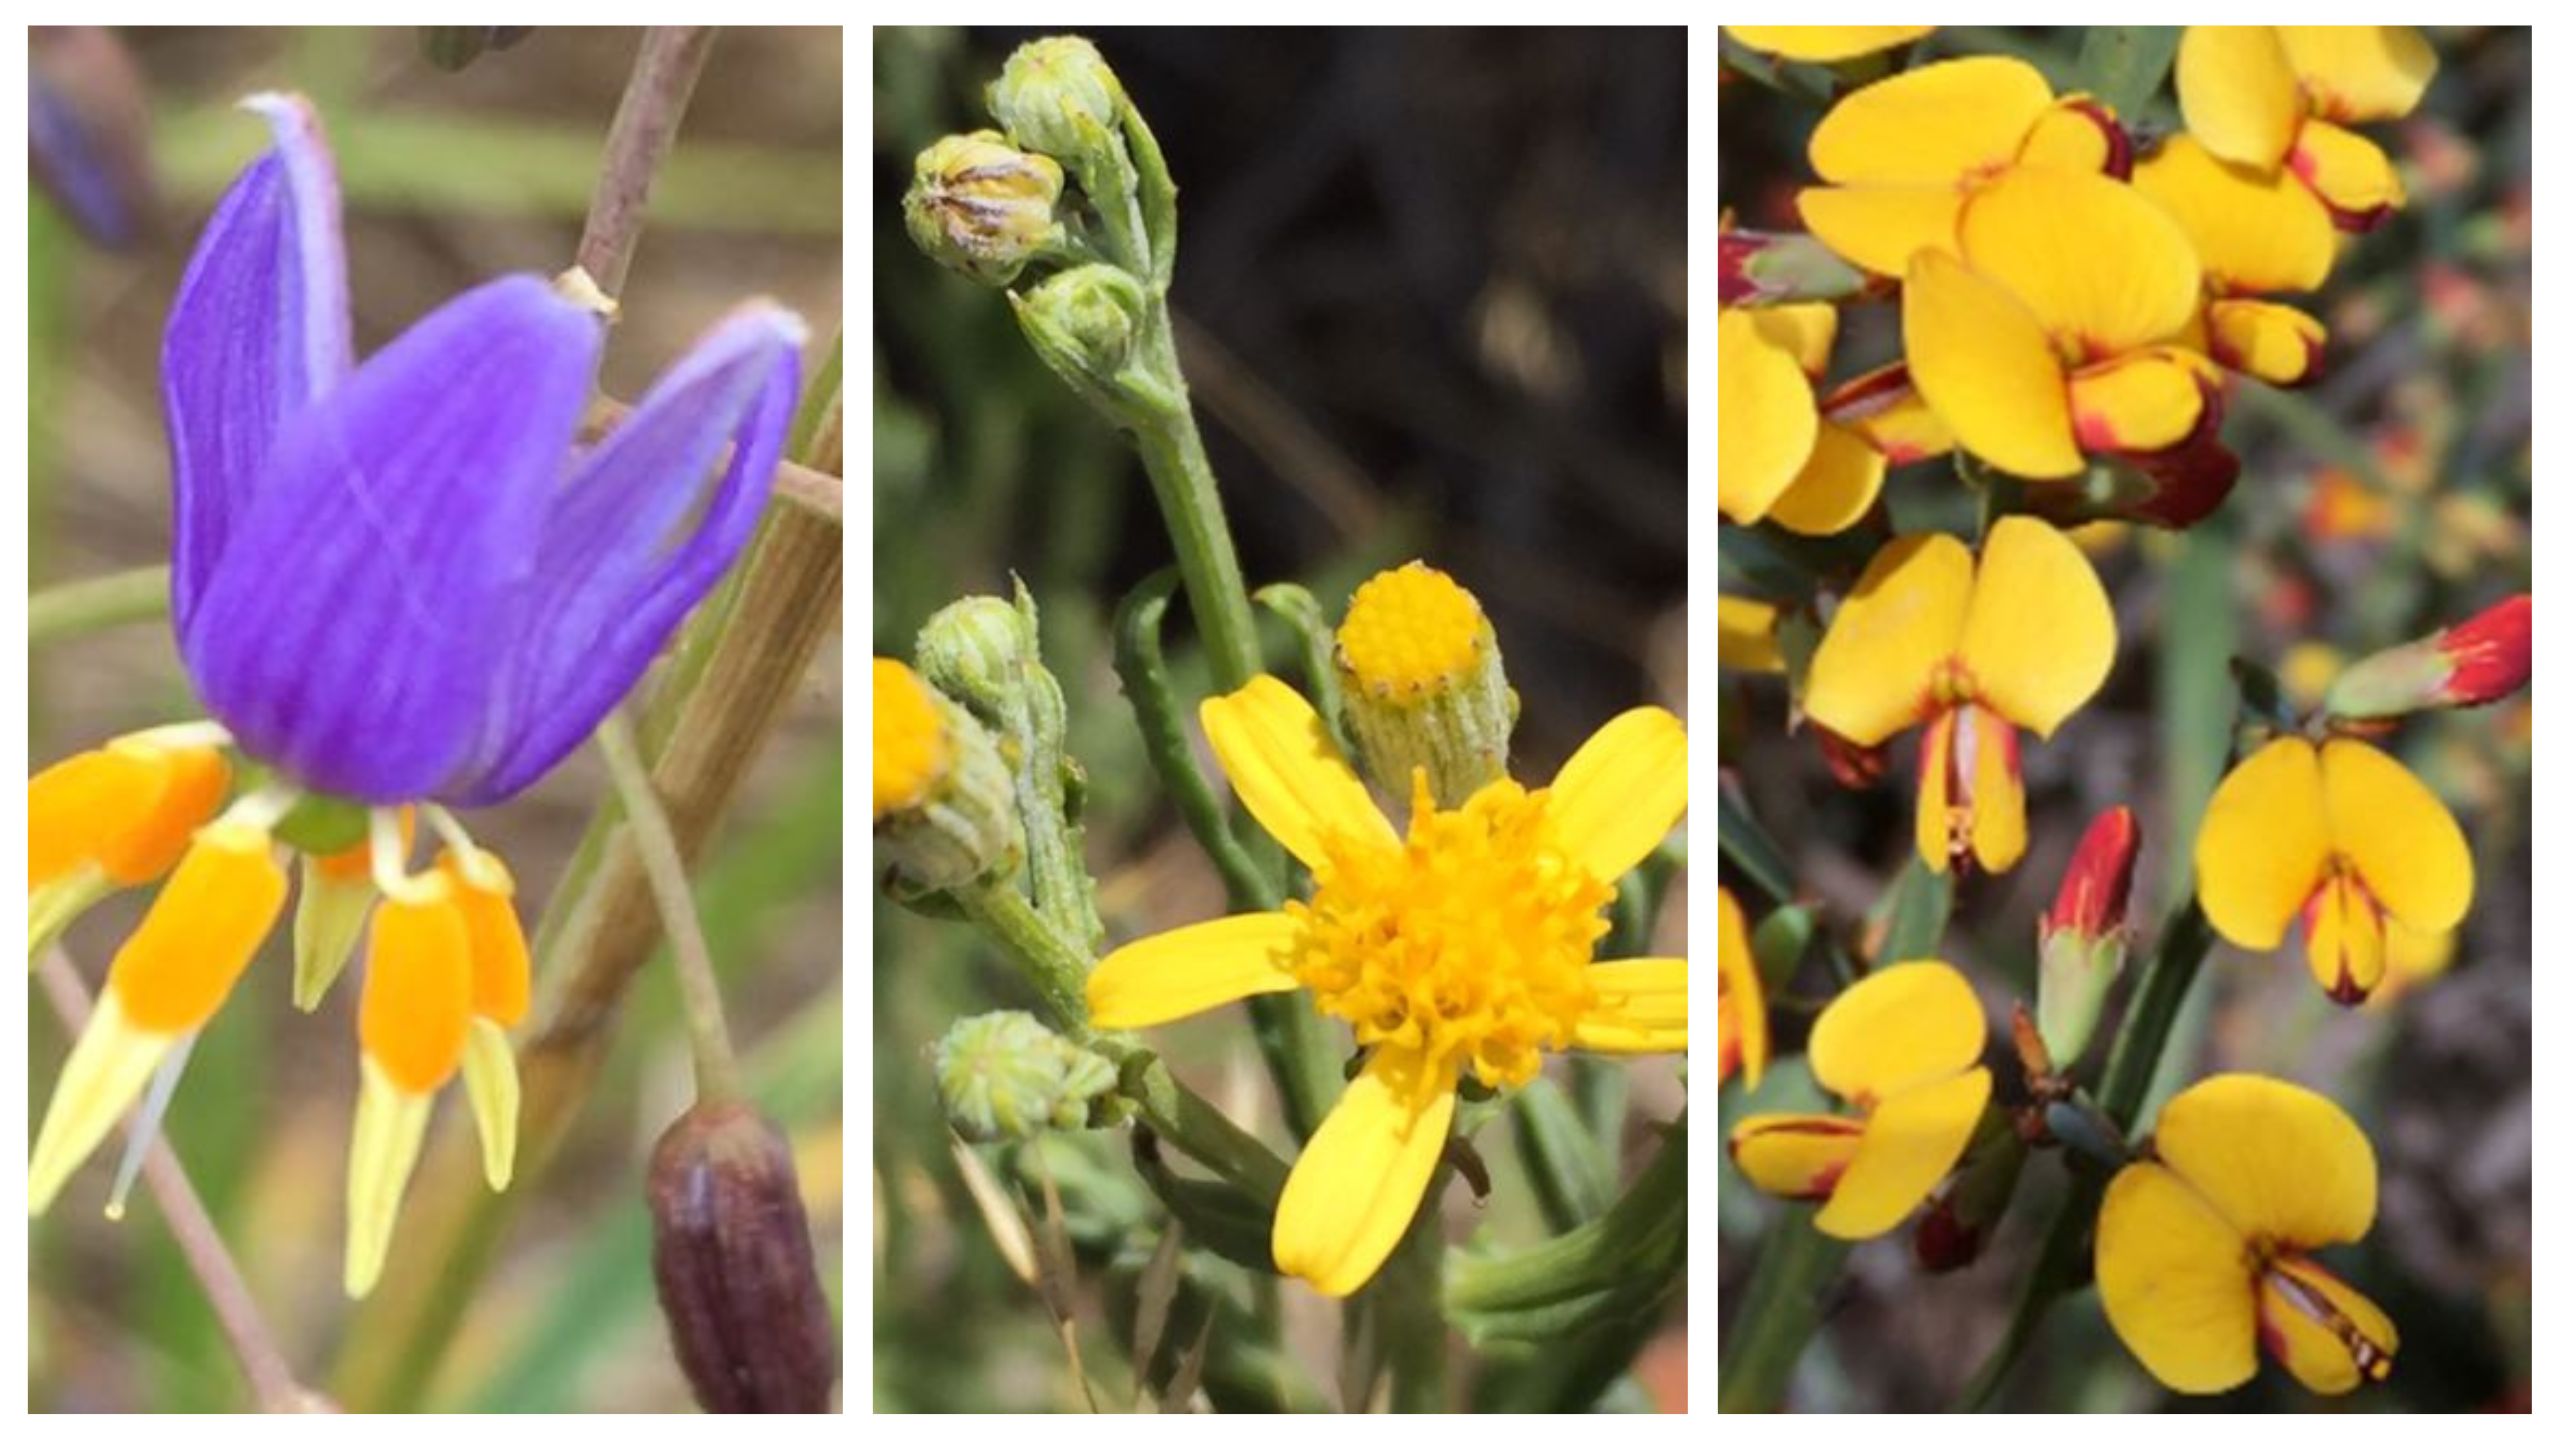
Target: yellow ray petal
{"x": 1765, "y": 419}
{"x": 2237, "y": 92}
{"x": 2342, "y": 940}
{"x": 391, "y": 1127}
{"x": 1742, "y": 1010}
{"x": 2352, "y": 174}
{"x": 2276, "y": 343}
{"x": 1880, "y": 227}
{"x": 1901, "y": 1027}
{"x": 2278, "y": 1162}
{"x": 1936, "y": 124}
{"x": 1838, "y": 484}
{"x": 2040, "y": 635}
{"x": 1795, "y": 1157}
{"x": 1913, "y": 1140}
{"x": 2135, "y": 404}
{"x": 2255, "y": 230}
{"x": 1357, "y": 1185}
{"x": 1639, "y": 1007}
{"x": 2322, "y": 1329}
{"x": 2173, "y": 1277}
{"x": 2263, "y": 844}
{"x": 1999, "y": 836}
{"x": 2102, "y": 269}
{"x": 1871, "y": 675}
{"x": 1284, "y": 768}
{"x": 328, "y": 923}
{"x": 108, "y": 1067}
{"x": 2352, "y": 73}
{"x": 1197, "y": 967}
{"x": 1622, "y": 791}
{"x": 489, "y": 1081}
{"x": 1983, "y": 363}
{"x": 2403, "y": 842}
{"x": 1822, "y": 44}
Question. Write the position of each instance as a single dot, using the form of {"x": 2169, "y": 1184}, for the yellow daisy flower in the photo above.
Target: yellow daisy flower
{"x": 1463, "y": 947}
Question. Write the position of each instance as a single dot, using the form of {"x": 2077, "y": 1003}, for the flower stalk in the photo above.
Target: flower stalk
{"x": 715, "y": 1061}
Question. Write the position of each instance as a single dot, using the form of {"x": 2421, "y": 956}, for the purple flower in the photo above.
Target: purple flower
{"x": 404, "y": 580}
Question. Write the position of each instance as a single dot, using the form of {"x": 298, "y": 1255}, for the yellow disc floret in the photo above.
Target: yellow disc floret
{"x": 908, "y": 748}
{"x": 1411, "y": 631}
{"x": 1469, "y": 945}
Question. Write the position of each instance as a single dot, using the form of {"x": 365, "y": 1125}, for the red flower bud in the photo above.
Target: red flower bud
{"x": 737, "y": 1277}
{"x": 2492, "y": 653}
{"x": 2092, "y": 897}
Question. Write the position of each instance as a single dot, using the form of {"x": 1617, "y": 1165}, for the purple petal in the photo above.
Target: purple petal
{"x": 645, "y": 528}
{"x": 258, "y": 331}
{"x": 351, "y": 632}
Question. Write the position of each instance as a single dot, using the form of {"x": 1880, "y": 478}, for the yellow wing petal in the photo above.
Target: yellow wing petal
{"x": 2352, "y": 73}
{"x": 1871, "y": 675}
{"x": 1765, "y": 419}
{"x": 2102, "y": 269}
{"x": 1356, "y": 1187}
{"x": 1795, "y": 1157}
{"x": 2352, "y": 174}
{"x": 2237, "y": 92}
{"x": 1913, "y": 1140}
{"x": 2263, "y": 844}
{"x": 2275, "y": 343}
{"x": 1197, "y": 967}
{"x": 1284, "y": 768}
{"x": 2277, "y": 1161}
{"x": 2173, "y": 1278}
{"x": 1838, "y": 484}
{"x": 1933, "y": 125}
{"x": 2137, "y": 403}
{"x": 2255, "y": 230}
{"x": 1622, "y": 791}
{"x": 1742, "y": 1010}
{"x": 2322, "y": 1329}
{"x": 1984, "y": 364}
{"x": 2403, "y": 842}
{"x": 2040, "y": 636}
{"x": 1900, "y": 1028}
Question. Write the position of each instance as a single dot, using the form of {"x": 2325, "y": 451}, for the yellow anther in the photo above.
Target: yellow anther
{"x": 909, "y": 750}
{"x": 416, "y": 1011}
{"x": 501, "y": 964}
{"x": 202, "y": 930}
{"x": 127, "y": 808}
{"x": 1411, "y": 631}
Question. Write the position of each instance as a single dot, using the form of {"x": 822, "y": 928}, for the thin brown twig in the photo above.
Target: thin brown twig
{"x": 262, "y": 1361}
{"x": 644, "y": 130}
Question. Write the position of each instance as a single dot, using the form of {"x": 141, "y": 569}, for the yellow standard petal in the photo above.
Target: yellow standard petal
{"x": 1622, "y": 791}
{"x": 1981, "y": 360}
{"x": 2279, "y": 1162}
{"x": 2102, "y": 269}
{"x": 2040, "y": 636}
{"x": 1937, "y": 124}
{"x": 2354, "y": 73}
{"x": 1821, "y": 44}
{"x": 1356, "y": 1187}
{"x": 1765, "y": 420}
{"x": 1872, "y": 674}
{"x": 2255, "y": 230}
{"x": 1198, "y": 967}
{"x": 2237, "y": 92}
{"x": 1913, "y": 1140}
{"x": 1880, "y": 227}
{"x": 1900, "y": 1028}
{"x": 2174, "y": 1280}
{"x": 1795, "y": 1157}
{"x": 2403, "y": 843}
{"x": 1742, "y": 1009}
{"x": 2264, "y": 844}
{"x": 390, "y": 1129}
{"x": 1285, "y": 769}
{"x": 1836, "y": 487}
{"x": 2275, "y": 343}
{"x": 2322, "y": 1329}
{"x": 2351, "y": 174}
{"x": 1638, "y": 1007}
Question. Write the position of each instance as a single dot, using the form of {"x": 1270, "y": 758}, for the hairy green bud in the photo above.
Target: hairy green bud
{"x": 984, "y": 209}
{"x": 1057, "y": 96}
{"x": 1084, "y": 324}
{"x": 1006, "y": 1076}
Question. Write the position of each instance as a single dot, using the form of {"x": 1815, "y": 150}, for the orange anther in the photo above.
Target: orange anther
{"x": 356, "y": 861}
{"x": 501, "y": 964}
{"x": 416, "y": 1012}
{"x": 202, "y": 931}
{"x": 129, "y": 808}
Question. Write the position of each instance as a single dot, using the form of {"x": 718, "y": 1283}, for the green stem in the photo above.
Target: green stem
{"x": 65, "y": 612}
{"x": 1138, "y": 655}
{"x": 1187, "y": 492}
{"x": 715, "y": 1061}
{"x": 1054, "y": 965}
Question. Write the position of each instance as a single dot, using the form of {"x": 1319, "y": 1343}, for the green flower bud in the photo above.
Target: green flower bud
{"x": 1422, "y": 684}
{"x": 1057, "y": 96}
{"x": 1005, "y": 1076}
{"x": 975, "y": 650}
{"x": 983, "y": 208}
{"x": 1084, "y": 324}
{"x": 451, "y": 48}
{"x": 942, "y": 805}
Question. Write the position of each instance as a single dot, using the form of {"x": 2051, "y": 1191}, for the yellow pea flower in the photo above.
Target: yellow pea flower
{"x": 1822, "y": 44}
{"x": 2203, "y": 1251}
{"x": 1463, "y": 946}
{"x": 2053, "y": 327}
{"x": 1904, "y": 1048}
{"x": 1742, "y": 1014}
{"x": 1975, "y": 654}
{"x": 1813, "y": 466}
{"x": 2280, "y": 96}
{"x": 2256, "y": 232}
{"x": 1905, "y": 157}
{"x": 2344, "y": 837}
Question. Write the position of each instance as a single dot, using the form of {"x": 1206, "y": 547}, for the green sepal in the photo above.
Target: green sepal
{"x": 323, "y": 824}
{"x": 328, "y": 923}
{"x": 1610, "y": 1272}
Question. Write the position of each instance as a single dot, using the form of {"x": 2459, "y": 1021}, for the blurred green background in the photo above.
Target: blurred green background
{"x": 2389, "y": 498}
{"x": 1432, "y": 299}
{"x": 448, "y": 179}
